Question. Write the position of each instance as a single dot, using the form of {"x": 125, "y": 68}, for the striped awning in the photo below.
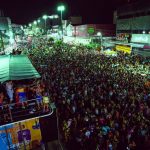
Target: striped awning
{"x": 16, "y": 67}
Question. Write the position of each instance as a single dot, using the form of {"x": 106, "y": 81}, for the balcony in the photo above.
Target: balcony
{"x": 18, "y": 112}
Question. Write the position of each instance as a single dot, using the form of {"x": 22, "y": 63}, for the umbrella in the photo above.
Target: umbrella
{"x": 16, "y": 67}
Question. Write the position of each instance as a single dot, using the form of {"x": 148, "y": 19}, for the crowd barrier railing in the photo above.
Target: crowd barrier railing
{"x": 21, "y": 111}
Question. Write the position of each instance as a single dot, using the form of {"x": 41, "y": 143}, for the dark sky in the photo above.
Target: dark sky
{"x": 92, "y": 11}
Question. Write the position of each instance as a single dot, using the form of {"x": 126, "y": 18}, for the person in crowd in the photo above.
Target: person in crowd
{"x": 10, "y": 90}
{"x": 21, "y": 96}
{"x": 46, "y": 102}
{"x": 38, "y": 91}
{"x": 1, "y": 98}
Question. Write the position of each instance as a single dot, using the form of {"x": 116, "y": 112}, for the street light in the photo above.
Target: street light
{"x": 21, "y": 27}
{"x": 51, "y": 17}
{"x": 99, "y": 34}
{"x": 35, "y": 22}
{"x": 61, "y": 9}
{"x": 45, "y": 18}
{"x": 55, "y": 16}
{"x": 38, "y": 20}
{"x": 30, "y": 24}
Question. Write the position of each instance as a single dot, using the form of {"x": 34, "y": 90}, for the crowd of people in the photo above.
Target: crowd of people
{"x": 103, "y": 102}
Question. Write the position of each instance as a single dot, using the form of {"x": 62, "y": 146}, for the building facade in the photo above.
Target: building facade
{"x": 107, "y": 30}
{"x": 133, "y": 18}
{"x": 133, "y": 25}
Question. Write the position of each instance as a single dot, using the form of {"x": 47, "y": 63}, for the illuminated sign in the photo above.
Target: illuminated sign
{"x": 91, "y": 30}
{"x": 140, "y": 38}
{"x": 124, "y": 48}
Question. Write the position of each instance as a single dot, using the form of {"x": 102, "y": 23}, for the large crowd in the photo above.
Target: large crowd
{"x": 103, "y": 103}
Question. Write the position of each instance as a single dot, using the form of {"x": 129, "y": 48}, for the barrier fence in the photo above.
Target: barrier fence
{"x": 11, "y": 113}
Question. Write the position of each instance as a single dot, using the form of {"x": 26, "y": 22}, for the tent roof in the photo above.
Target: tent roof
{"x": 16, "y": 67}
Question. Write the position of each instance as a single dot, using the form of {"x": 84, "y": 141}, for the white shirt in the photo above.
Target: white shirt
{"x": 9, "y": 86}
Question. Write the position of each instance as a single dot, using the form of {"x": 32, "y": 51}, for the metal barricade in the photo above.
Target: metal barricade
{"x": 29, "y": 109}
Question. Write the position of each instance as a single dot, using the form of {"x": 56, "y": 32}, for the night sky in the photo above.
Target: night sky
{"x": 92, "y": 11}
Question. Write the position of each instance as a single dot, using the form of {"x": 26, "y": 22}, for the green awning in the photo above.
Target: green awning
{"x": 16, "y": 67}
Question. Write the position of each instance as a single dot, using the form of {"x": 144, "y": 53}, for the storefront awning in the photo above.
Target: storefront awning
{"x": 16, "y": 67}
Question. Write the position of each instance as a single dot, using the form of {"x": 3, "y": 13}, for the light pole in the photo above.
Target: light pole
{"x": 45, "y": 18}
{"x": 61, "y": 9}
{"x": 99, "y": 34}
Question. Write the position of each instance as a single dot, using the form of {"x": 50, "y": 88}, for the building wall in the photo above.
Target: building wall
{"x": 133, "y": 25}
{"x": 83, "y": 30}
{"x": 137, "y": 8}
{"x": 134, "y": 18}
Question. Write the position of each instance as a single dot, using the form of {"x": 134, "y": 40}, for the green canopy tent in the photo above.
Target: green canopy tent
{"x": 16, "y": 67}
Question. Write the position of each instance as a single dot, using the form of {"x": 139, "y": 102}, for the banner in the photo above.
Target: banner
{"x": 17, "y": 135}
{"x": 140, "y": 38}
{"x": 124, "y": 48}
